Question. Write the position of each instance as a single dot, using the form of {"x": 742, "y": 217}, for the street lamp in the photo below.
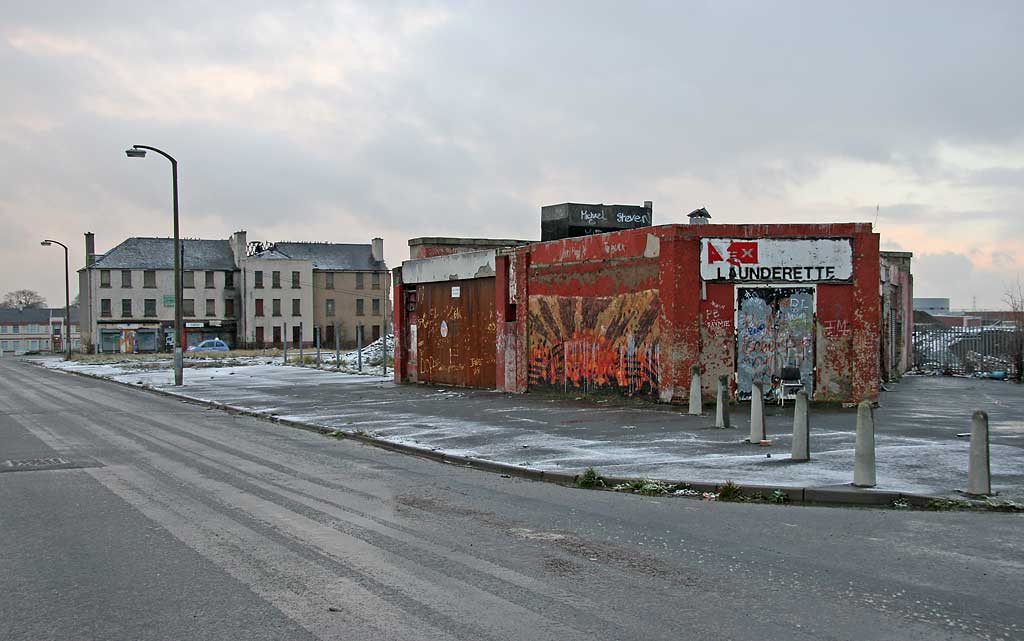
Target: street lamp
{"x": 67, "y": 298}
{"x": 139, "y": 151}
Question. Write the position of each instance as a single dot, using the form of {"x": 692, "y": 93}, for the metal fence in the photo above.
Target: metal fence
{"x": 980, "y": 351}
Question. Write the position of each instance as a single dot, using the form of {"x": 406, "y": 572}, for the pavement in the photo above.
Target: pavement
{"x": 917, "y": 423}
{"x": 174, "y": 521}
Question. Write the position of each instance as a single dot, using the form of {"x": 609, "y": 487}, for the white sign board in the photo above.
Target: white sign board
{"x": 456, "y": 292}
{"x": 776, "y": 260}
{"x": 444, "y": 329}
{"x": 193, "y": 325}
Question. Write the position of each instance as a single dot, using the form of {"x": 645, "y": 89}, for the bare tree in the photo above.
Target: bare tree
{"x": 1014, "y": 298}
{"x": 22, "y": 299}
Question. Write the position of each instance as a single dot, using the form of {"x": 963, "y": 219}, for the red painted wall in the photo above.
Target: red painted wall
{"x": 592, "y": 275}
{"x": 623, "y": 313}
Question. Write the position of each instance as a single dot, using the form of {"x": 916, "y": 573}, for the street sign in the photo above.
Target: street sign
{"x": 168, "y": 301}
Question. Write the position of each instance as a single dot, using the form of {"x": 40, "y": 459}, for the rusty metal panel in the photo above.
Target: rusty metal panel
{"x": 455, "y": 333}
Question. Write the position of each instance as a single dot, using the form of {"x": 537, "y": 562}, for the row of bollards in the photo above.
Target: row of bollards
{"x": 979, "y": 482}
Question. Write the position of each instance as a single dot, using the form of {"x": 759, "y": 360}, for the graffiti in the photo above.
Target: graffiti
{"x": 632, "y": 218}
{"x": 775, "y": 332}
{"x": 591, "y": 216}
{"x": 257, "y": 247}
{"x": 836, "y": 328}
{"x": 594, "y": 345}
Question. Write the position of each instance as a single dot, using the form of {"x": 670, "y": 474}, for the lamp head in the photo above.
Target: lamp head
{"x": 46, "y": 243}
{"x": 135, "y": 153}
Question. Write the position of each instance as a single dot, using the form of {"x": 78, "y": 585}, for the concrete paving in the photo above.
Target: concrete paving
{"x": 918, "y": 450}
{"x": 194, "y": 523}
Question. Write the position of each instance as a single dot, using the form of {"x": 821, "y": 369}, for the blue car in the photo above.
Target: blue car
{"x": 210, "y": 345}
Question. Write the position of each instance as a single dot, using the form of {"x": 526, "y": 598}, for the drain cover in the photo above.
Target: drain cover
{"x": 43, "y": 463}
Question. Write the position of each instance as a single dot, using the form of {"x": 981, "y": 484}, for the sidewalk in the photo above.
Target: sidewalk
{"x": 916, "y": 427}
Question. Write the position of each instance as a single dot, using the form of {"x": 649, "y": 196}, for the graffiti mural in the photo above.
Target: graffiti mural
{"x": 606, "y": 344}
{"x": 775, "y": 330}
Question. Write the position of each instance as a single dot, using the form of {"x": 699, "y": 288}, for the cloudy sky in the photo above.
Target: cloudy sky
{"x": 344, "y": 121}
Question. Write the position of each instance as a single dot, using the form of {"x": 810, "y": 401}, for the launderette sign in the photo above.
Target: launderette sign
{"x": 774, "y": 260}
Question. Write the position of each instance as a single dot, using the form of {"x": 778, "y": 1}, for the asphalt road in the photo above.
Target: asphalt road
{"x": 151, "y": 518}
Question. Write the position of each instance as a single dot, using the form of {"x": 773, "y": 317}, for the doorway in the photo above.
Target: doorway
{"x": 775, "y": 331}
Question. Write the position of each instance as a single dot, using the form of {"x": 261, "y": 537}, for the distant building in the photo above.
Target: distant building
{"x": 897, "y": 287}
{"x": 932, "y": 305}
{"x": 247, "y": 294}
{"x": 127, "y": 294}
{"x": 40, "y": 330}
{"x": 293, "y": 287}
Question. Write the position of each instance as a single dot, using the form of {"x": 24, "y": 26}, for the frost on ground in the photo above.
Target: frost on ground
{"x": 561, "y": 435}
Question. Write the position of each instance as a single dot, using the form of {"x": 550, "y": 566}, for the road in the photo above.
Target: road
{"x": 160, "y": 519}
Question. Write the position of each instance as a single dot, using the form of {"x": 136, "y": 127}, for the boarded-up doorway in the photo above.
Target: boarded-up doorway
{"x": 455, "y": 333}
{"x": 775, "y": 330}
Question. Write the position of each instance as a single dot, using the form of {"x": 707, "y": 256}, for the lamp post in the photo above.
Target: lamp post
{"x": 67, "y": 298}
{"x": 139, "y": 151}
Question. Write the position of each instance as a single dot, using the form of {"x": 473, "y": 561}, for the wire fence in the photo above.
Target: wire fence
{"x": 993, "y": 352}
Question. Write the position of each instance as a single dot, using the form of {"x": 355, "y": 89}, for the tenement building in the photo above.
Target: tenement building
{"x": 247, "y": 294}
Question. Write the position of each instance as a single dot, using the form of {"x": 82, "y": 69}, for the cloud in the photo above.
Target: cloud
{"x": 341, "y": 121}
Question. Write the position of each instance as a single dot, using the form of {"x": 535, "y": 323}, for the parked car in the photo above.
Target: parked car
{"x": 210, "y": 345}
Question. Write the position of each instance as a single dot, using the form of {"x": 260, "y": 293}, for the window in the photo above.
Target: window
{"x": 375, "y": 281}
{"x": 188, "y": 307}
{"x": 126, "y": 308}
{"x": 149, "y": 279}
{"x": 104, "y": 310}
{"x": 329, "y": 280}
{"x": 259, "y": 337}
{"x": 259, "y": 307}
{"x": 15, "y": 329}
{"x": 296, "y": 307}
{"x": 276, "y": 311}
{"x": 329, "y": 307}
{"x": 359, "y": 307}
{"x": 5, "y": 345}
{"x": 295, "y": 280}
{"x": 359, "y": 280}
{"x": 229, "y": 308}
{"x": 104, "y": 278}
{"x": 229, "y": 280}
{"x": 275, "y": 280}
{"x": 5, "y": 329}
{"x": 210, "y": 280}
{"x": 211, "y": 305}
{"x": 188, "y": 279}
{"x": 258, "y": 276}
{"x": 126, "y": 278}
{"x": 149, "y": 307}
{"x": 376, "y": 307}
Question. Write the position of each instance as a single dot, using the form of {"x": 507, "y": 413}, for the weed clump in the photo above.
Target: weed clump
{"x": 945, "y": 505}
{"x": 730, "y": 492}
{"x": 590, "y": 479}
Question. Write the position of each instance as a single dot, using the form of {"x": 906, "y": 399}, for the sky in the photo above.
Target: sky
{"x": 344, "y": 121}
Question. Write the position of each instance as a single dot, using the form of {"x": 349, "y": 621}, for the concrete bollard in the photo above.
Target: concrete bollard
{"x": 722, "y": 402}
{"x": 695, "y": 400}
{"x": 757, "y": 431}
{"x": 864, "y": 452}
{"x": 801, "y": 429}
{"x": 979, "y": 479}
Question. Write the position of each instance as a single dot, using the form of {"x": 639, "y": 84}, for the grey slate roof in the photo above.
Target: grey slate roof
{"x": 35, "y": 315}
{"x": 158, "y": 253}
{"x": 331, "y": 256}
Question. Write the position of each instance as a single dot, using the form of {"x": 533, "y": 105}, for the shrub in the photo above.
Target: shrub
{"x": 590, "y": 479}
